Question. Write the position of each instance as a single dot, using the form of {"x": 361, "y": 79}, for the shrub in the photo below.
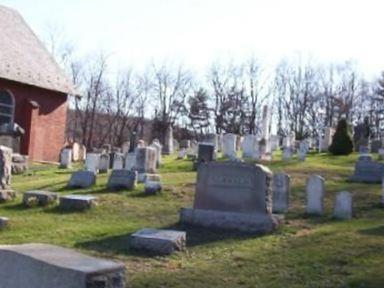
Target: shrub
{"x": 342, "y": 141}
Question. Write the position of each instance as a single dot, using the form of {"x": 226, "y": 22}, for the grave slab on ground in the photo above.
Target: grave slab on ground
{"x": 367, "y": 171}
{"x": 48, "y": 266}
{"x": 158, "y": 241}
{"x": 77, "y": 202}
{"x": 43, "y": 198}
{"x": 82, "y": 179}
{"x": 232, "y": 195}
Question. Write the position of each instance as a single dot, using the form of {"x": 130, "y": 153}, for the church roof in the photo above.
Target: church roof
{"x": 24, "y": 58}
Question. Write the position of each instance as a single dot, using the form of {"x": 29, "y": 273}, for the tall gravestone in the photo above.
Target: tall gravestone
{"x": 281, "y": 189}
{"x": 229, "y": 146}
{"x": 156, "y": 144}
{"x": 146, "y": 160}
{"x": 76, "y": 152}
{"x": 303, "y": 150}
{"x": 118, "y": 161}
{"x": 315, "y": 190}
{"x": 232, "y": 195}
{"x": 250, "y": 145}
{"x": 343, "y": 206}
{"x": 287, "y": 153}
{"x": 168, "y": 143}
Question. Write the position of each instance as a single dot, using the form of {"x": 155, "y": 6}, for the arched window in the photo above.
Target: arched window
{"x": 7, "y": 107}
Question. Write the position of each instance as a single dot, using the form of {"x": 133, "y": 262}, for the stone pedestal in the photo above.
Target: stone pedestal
{"x": 77, "y": 202}
{"x": 40, "y": 198}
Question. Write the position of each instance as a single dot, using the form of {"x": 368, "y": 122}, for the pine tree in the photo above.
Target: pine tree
{"x": 342, "y": 141}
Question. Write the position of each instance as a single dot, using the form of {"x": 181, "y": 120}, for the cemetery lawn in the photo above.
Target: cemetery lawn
{"x": 306, "y": 252}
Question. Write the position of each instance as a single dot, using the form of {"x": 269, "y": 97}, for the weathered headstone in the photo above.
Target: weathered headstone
{"x": 76, "y": 152}
{"x": 92, "y": 162}
{"x": 66, "y": 158}
{"x": 204, "y": 154}
{"x": 156, "y": 144}
{"x": 229, "y": 146}
{"x": 122, "y": 179}
{"x": 40, "y": 198}
{"x": 4, "y": 222}
{"x": 249, "y": 145}
{"x": 182, "y": 153}
{"x": 19, "y": 163}
{"x": 77, "y": 202}
{"x": 152, "y": 187}
{"x": 48, "y": 266}
{"x": 83, "y": 153}
{"x": 287, "y": 153}
{"x": 161, "y": 242}
{"x": 281, "y": 190}
{"x": 130, "y": 161}
{"x": 6, "y": 192}
{"x": 118, "y": 161}
{"x": 303, "y": 150}
{"x": 343, "y": 206}
{"x": 367, "y": 171}
{"x": 168, "y": 143}
{"x": 315, "y": 190}
{"x": 186, "y": 144}
{"x": 104, "y": 163}
{"x": 82, "y": 179}
{"x": 125, "y": 147}
{"x": 232, "y": 195}
{"x": 146, "y": 160}
{"x": 327, "y": 140}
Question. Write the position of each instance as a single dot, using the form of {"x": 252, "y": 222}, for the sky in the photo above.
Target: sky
{"x": 199, "y": 32}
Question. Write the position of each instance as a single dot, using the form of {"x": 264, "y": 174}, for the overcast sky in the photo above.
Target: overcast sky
{"x": 197, "y": 32}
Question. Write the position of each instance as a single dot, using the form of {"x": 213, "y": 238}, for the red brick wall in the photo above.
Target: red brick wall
{"x": 44, "y": 125}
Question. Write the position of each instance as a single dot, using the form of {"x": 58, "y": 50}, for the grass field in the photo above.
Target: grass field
{"x": 305, "y": 252}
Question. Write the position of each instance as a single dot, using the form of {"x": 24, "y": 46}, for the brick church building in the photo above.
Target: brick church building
{"x": 33, "y": 91}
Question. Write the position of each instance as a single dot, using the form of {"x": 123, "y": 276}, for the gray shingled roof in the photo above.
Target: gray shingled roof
{"x": 24, "y": 58}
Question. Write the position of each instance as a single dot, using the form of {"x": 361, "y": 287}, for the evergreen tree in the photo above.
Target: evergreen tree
{"x": 342, "y": 141}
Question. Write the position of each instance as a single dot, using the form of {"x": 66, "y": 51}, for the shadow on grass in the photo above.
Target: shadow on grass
{"x": 375, "y": 231}
{"x": 16, "y": 207}
{"x": 44, "y": 187}
{"x": 196, "y": 236}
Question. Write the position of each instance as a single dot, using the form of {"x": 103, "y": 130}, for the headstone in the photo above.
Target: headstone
{"x": 186, "y": 144}
{"x": 122, "y": 179}
{"x": 161, "y": 242}
{"x": 367, "y": 171}
{"x": 232, "y": 195}
{"x": 182, "y": 153}
{"x": 168, "y": 143}
{"x": 362, "y": 132}
{"x": 132, "y": 142}
{"x": 125, "y": 147}
{"x": 6, "y": 192}
{"x": 250, "y": 144}
{"x": 83, "y": 153}
{"x": 303, "y": 150}
{"x": 315, "y": 190}
{"x": 229, "y": 146}
{"x": 274, "y": 139}
{"x": 82, "y": 179}
{"x": 19, "y": 163}
{"x": 281, "y": 190}
{"x": 76, "y": 152}
{"x": 343, "y": 206}
{"x": 118, "y": 161}
{"x": 104, "y": 163}
{"x": 327, "y": 140}
{"x": 40, "y": 198}
{"x": 130, "y": 161}
{"x": 287, "y": 153}
{"x": 156, "y": 144}
{"x": 92, "y": 162}
{"x": 146, "y": 160}
{"x": 66, "y": 158}
{"x": 363, "y": 149}
{"x": 77, "y": 202}
{"x": 176, "y": 145}
{"x": 48, "y": 266}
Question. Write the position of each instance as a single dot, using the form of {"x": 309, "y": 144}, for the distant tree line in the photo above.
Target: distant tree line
{"x": 303, "y": 97}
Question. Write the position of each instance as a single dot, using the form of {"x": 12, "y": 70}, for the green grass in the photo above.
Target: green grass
{"x": 305, "y": 252}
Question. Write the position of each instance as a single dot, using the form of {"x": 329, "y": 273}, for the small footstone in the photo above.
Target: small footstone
{"x": 42, "y": 198}
{"x": 158, "y": 241}
{"x": 152, "y": 187}
{"x": 77, "y": 202}
{"x": 3, "y": 222}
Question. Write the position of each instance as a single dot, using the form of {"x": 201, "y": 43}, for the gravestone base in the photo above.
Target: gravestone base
{"x": 48, "y": 266}
{"x": 77, "y": 202}
{"x": 253, "y": 223}
{"x": 161, "y": 242}
{"x": 7, "y": 195}
{"x": 82, "y": 179}
{"x": 152, "y": 187}
{"x": 42, "y": 198}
